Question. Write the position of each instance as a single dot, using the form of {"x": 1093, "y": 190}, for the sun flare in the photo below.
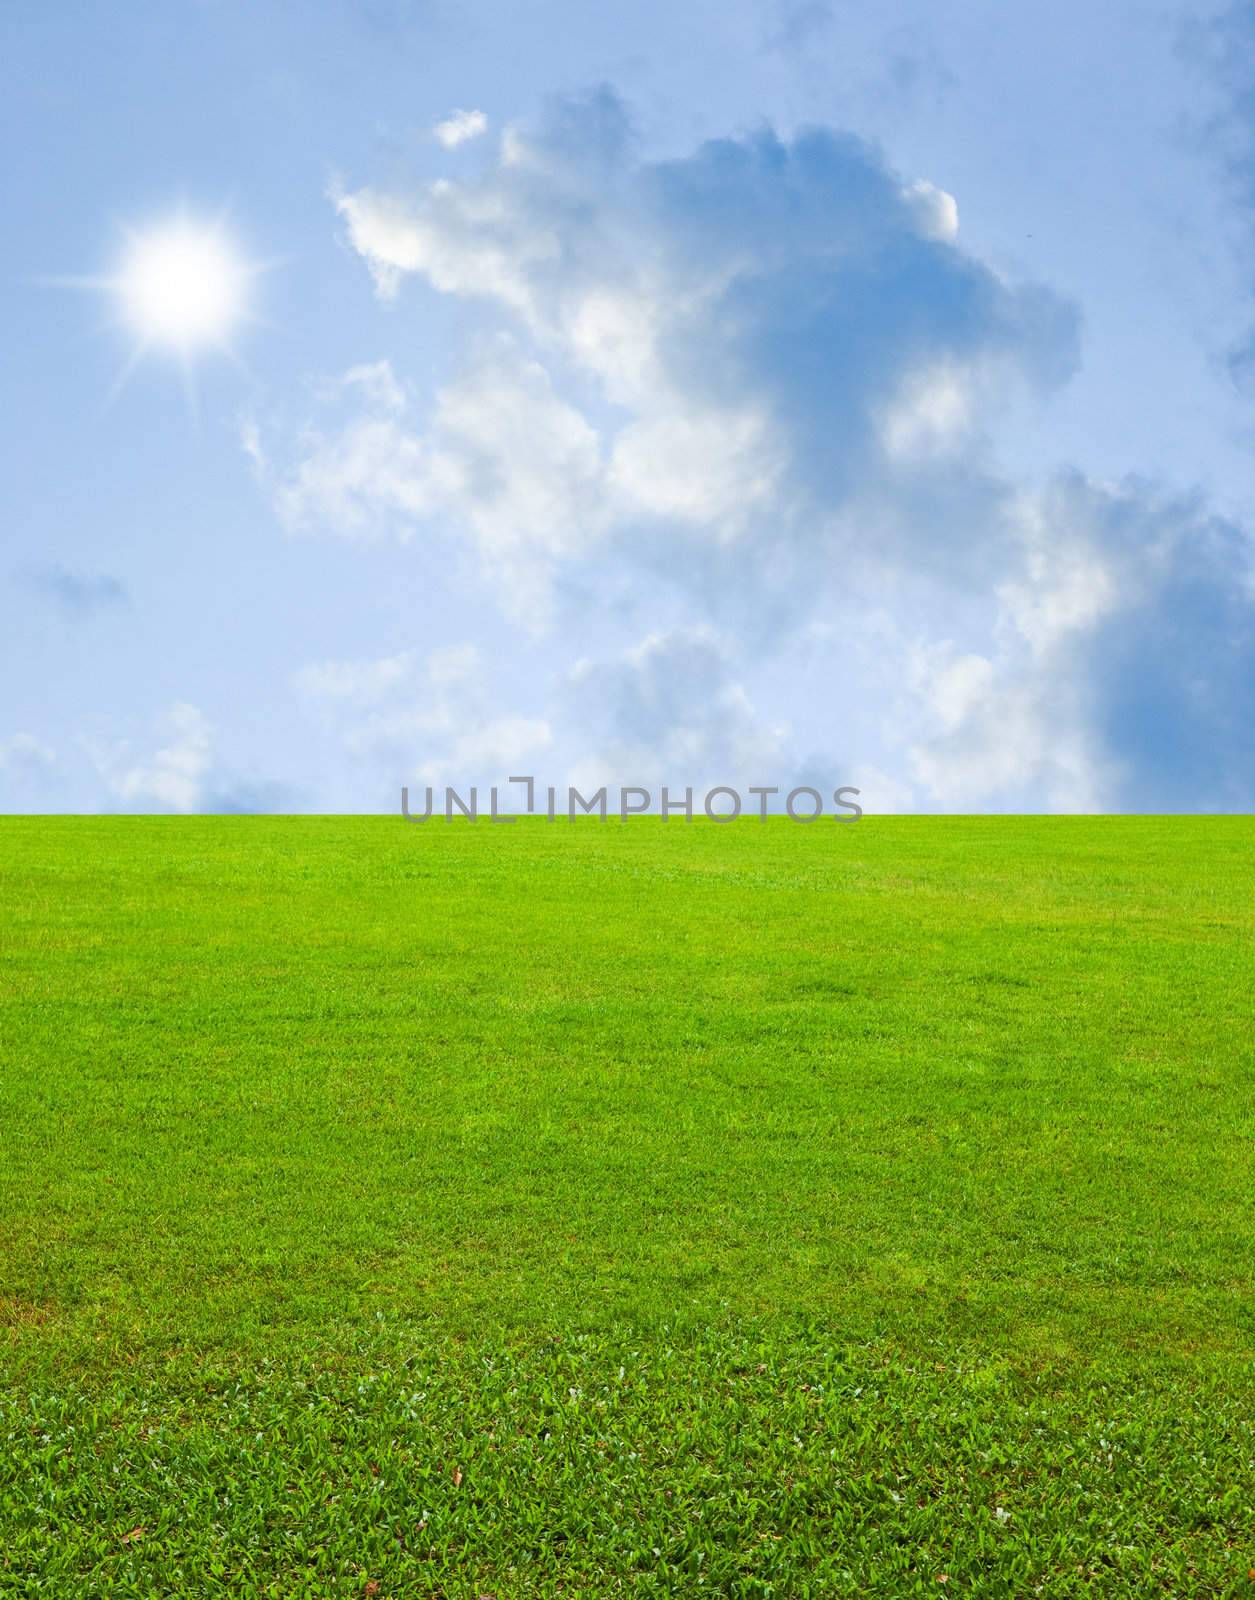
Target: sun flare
{"x": 182, "y": 285}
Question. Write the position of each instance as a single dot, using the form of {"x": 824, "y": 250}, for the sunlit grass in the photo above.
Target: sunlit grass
{"x": 652, "y": 1209}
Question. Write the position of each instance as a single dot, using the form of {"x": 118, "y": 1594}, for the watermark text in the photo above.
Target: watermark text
{"x": 723, "y": 802}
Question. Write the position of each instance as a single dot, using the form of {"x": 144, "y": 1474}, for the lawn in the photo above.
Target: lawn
{"x": 648, "y": 1209}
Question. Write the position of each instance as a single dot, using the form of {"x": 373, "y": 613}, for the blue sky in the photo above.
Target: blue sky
{"x": 691, "y": 394}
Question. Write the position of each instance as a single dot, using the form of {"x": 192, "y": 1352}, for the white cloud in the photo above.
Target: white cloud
{"x": 880, "y": 793}
{"x": 464, "y": 242}
{"x": 373, "y": 477}
{"x": 756, "y": 381}
{"x": 517, "y": 463}
{"x": 174, "y": 777}
{"x": 936, "y": 212}
{"x": 377, "y": 384}
{"x": 423, "y": 720}
{"x": 24, "y": 753}
{"x": 709, "y": 375}
{"x": 356, "y": 682}
{"x": 692, "y": 313}
{"x": 671, "y": 709}
{"x": 503, "y": 463}
{"x": 489, "y": 753}
{"x": 184, "y": 774}
{"x": 1004, "y": 737}
{"x": 712, "y": 469}
{"x": 765, "y": 335}
{"x": 1068, "y": 582}
{"x": 931, "y": 414}
{"x": 1123, "y": 667}
{"x": 460, "y": 126}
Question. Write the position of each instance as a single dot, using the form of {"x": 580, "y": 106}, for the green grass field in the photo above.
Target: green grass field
{"x": 655, "y": 1210}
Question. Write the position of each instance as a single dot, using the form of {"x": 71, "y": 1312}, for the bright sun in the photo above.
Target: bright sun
{"x": 182, "y": 285}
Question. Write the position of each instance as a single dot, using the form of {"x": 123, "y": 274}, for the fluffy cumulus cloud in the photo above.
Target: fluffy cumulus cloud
{"x": 749, "y": 348}
{"x": 501, "y": 457}
{"x": 760, "y": 382}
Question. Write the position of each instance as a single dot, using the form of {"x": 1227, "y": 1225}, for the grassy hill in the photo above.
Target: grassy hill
{"x": 654, "y": 1209}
